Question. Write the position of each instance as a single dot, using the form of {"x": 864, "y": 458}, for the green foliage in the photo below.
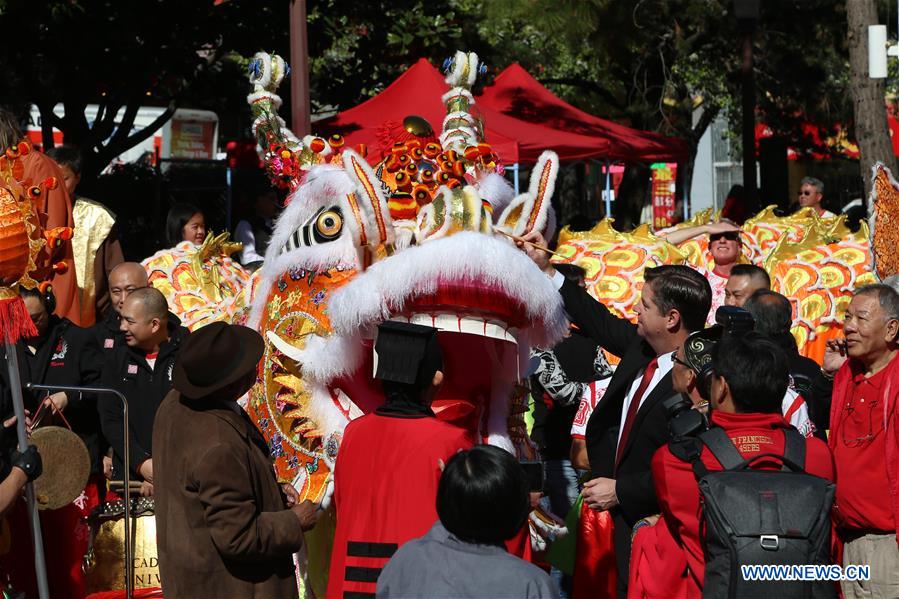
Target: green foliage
{"x": 648, "y": 63}
{"x": 122, "y": 54}
{"x": 357, "y": 48}
{"x": 652, "y": 62}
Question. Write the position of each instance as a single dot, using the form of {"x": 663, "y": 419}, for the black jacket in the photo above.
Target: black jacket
{"x": 126, "y": 370}
{"x": 636, "y": 495}
{"x": 65, "y": 356}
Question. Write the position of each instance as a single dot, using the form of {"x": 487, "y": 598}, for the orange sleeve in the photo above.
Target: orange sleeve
{"x": 58, "y": 209}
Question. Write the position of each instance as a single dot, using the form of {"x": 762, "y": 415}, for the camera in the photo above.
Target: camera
{"x": 683, "y": 420}
{"x": 734, "y": 321}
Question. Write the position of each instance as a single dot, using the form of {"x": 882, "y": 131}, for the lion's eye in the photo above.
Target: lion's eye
{"x": 328, "y": 225}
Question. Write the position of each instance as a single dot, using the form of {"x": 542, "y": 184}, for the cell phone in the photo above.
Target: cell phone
{"x": 535, "y": 475}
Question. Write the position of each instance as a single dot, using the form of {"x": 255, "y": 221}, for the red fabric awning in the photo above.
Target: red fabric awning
{"x": 418, "y": 92}
{"x": 517, "y": 94}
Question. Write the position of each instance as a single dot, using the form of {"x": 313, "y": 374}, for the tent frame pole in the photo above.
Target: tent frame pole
{"x": 514, "y": 169}
{"x": 608, "y": 194}
{"x": 686, "y": 203}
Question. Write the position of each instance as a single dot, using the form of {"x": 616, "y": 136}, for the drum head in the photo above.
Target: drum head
{"x": 67, "y": 466}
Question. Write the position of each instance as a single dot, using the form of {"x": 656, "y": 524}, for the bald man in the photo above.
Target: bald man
{"x": 123, "y": 280}
{"x": 141, "y": 369}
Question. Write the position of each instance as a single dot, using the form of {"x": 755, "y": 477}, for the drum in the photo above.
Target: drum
{"x": 104, "y": 562}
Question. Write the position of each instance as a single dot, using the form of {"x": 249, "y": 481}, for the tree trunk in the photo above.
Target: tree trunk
{"x": 633, "y": 193}
{"x": 871, "y": 128}
{"x": 685, "y": 180}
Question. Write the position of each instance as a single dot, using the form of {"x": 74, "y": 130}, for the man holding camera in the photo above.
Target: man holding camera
{"x": 629, "y": 423}
{"x": 747, "y": 381}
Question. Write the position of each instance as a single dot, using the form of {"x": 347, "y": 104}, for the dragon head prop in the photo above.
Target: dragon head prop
{"x": 420, "y": 237}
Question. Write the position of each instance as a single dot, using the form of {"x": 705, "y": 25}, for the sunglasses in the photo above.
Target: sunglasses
{"x": 729, "y": 235}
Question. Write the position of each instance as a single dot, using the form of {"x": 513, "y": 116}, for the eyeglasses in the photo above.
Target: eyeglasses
{"x": 806, "y": 193}
{"x": 677, "y": 360}
{"x": 729, "y": 235}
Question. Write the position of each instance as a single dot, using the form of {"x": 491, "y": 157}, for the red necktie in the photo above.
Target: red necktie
{"x": 634, "y": 406}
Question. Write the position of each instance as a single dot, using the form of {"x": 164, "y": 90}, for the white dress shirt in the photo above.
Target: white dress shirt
{"x": 664, "y": 367}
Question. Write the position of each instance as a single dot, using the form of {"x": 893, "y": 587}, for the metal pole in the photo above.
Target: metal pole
{"x": 515, "y": 170}
{"x": 299, "y": 70}
{"x": 228, "y": 197}
{"x": 686, "y": 203}
{"x": 608, "y": 198}
{"x": 15, "y": 383}
{"x": 748, "y": 107}
{"x": 129, "y": 562}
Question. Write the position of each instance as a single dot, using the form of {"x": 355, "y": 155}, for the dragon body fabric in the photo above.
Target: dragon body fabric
{"x": 814, "y": 262}
{"x": 201, "y": 283}
{"x": 414, "y": 238}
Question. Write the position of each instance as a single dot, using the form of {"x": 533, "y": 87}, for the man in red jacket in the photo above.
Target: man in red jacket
{"x": 750, "y": 377}
{"x": 389, "y": 464}
{"x": 864, "y": 437}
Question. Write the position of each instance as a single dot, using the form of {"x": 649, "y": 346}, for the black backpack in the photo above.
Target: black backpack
{"x": 760, "y": 517}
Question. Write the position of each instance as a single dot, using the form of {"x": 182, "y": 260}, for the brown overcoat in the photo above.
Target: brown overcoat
{"x": 222, "y": 527}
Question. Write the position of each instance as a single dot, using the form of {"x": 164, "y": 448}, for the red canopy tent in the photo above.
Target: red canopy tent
{"x": 418, "y": 92}
{"x": 516, "y": 93}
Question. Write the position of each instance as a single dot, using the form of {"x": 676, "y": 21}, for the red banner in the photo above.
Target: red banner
{"x": 664, "y": 213}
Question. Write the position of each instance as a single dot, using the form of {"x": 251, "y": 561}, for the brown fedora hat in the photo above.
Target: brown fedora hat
{"x": 215, "y": 356}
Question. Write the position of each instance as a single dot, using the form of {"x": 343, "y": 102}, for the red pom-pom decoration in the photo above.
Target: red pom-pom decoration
{"x": 421, "y": 194}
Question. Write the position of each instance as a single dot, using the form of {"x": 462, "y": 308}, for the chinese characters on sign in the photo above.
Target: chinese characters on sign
{"x": 664, "y": 213}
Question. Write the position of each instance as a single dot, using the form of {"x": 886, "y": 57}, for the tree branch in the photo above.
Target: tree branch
{"x": 127, "y": 122}
{"x": 118, "y": 145}
{"x": 705, "y": 120}
{"x": 103, "y": 128}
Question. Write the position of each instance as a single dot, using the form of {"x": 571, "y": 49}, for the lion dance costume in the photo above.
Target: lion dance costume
{"x": 412, "y": 239}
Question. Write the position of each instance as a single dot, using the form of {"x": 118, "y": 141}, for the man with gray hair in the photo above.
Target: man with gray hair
{"x": 811, "y": 194}
{"x": 864, "y": 438}
{"x": 141, "y": 369}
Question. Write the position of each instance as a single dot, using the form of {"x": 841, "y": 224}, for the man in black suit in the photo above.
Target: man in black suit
{"x": 630, "y": 423}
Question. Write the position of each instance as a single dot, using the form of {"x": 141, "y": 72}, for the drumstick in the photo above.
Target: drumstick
{"x": 132, "y": 484}
{"x": 539, "y": 247}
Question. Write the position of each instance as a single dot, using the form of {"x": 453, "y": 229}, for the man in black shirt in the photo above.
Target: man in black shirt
{"x": 141, "y": 369}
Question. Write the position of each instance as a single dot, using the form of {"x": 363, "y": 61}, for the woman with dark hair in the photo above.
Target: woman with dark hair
{"x": 197, "y": 296}
{"x": 185, "y": 222}
{"x": 482, "y": 501}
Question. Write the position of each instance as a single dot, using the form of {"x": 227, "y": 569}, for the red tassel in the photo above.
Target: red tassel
{"x": 15, "y": 321}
